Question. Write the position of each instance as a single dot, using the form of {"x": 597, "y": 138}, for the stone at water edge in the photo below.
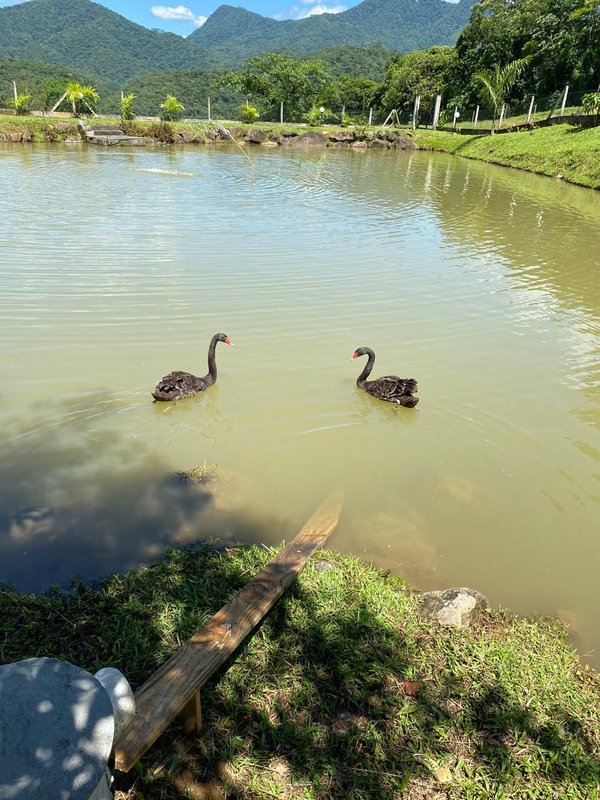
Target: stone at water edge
{"x": 452, "y": 607}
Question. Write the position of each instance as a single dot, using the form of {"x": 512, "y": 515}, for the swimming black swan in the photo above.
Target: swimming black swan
{"x": 177, "y": 385}
{"x": 390, "y": 387}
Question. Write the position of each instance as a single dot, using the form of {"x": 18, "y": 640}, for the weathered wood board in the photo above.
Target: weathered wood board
{"x": 174, "y": 688}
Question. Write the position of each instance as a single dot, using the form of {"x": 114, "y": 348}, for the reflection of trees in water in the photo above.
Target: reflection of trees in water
{"x": 545, "y": 234}
{"x": 532, "y": 223}
{"x": 84, "y": 503}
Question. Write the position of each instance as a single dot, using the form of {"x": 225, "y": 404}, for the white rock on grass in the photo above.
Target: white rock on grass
{"x": 452, "y": 607}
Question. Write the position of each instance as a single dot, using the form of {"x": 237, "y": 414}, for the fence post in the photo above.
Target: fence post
{"x": 564, "y": 100}
{"x": 208, "y": 104}
{"x": 476, "y": 118}
{"x": 455, "y": 116}
{"x": 58, "y": 102}
{"x": 436, "y": 111}
{"x": 416, "y": 110}
{"x": 281, "y": 112}
{"x": 370, "y": 116}
{"x": 530, "y": 112}
{"x": 502, "y": 113}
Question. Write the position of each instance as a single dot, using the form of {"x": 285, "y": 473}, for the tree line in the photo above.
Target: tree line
{"x": 509, "y": 48}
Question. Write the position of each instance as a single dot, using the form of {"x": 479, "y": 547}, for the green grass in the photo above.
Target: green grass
{"x": 343, "y": 692}
{"x": 562, "y": 151}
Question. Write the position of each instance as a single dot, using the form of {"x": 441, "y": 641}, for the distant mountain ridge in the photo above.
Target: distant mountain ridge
{"x": 87, "y": 36}
{"x": 401, "y": 25}
{"x": 83, "y": 35}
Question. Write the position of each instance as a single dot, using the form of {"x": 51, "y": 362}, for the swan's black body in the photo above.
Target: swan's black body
{"x": 177, "y": 385}
{"x": 390, "y": 387}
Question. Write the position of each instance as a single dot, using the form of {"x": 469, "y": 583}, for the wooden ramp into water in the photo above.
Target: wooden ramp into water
{"x": 175, "y": 688}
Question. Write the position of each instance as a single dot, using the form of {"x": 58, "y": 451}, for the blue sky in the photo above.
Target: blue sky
{"x": 185, "y": 16}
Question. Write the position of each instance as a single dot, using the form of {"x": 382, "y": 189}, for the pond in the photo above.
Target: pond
{"x": 117, "y": 266}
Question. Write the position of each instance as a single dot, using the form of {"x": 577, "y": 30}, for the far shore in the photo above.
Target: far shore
{"x": 563, "y": 151}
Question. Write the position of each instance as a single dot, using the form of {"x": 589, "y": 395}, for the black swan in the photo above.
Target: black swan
{"x": 177, "y": 385}
{"x": 390, "y": 387}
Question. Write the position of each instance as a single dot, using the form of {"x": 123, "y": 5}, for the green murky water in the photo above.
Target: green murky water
{"x": 117, "y": 266}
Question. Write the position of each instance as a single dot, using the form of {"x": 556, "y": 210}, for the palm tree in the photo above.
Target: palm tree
{"x": 21, "y": 104}
{"x": 497, "y": 84}
{"x": 171, "y": 107}
{"x": 79, "y": 95}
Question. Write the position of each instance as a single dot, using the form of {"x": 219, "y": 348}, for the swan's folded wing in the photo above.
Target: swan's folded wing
{"x": 391, "y": 387}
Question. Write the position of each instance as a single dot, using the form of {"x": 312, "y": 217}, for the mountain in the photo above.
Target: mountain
{"x": 402, "y": 25}
{"x": 86, "y": 36}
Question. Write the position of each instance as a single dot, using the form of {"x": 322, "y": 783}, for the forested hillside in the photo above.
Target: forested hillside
{"x": 85, "y": 36}
{"x": 235, "y": 33}
{"x": 44, "y": 82}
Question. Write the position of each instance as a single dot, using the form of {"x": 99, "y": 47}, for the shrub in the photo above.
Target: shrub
{"x": 360, "y": 128}
{"x": 171, "y": 108}
{"x": 317, "y": 115}
{"x": 127, "y": 107}
{"x": 248, "y": 113}
{"x": 22, "y": 104}
{"x": 161, "y": 131}
{"x": 591, "y": 103}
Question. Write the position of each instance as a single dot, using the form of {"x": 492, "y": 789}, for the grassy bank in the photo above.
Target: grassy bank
{"x": 43, "y": 129}
{"x": 344, "y": 692}
{"x": 562, "y": 150}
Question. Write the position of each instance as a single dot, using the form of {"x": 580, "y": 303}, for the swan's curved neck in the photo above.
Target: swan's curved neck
{"x": 212, "y": 361}
{"x": 362, "y": 378}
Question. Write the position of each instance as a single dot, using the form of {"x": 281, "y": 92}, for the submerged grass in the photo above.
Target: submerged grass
{"x": 564, "y": 151}
{"x": 343, "y": 692}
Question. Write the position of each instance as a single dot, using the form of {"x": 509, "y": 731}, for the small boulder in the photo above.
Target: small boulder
{"x": 255, "y": 136}
{"x": 310, "y": 139}
{"x": 452, "y": 607}
{"x": 382, "y": 143}
{"x": 189, "y": 137}
{"x": 323, "y": 564}
{"x": 403, "y": 142}
{"x": 15, "y": 136}
{"x": 236, "y": 133}
{"x": 342, "y": 136}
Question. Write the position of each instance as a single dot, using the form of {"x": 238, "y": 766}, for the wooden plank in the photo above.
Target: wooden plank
{"x": 192, "y": 715}
{"x": 171, "y": 687}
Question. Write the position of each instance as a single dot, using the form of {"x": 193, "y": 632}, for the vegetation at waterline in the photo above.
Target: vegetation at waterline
{"x": 343, "y": 692}
{"x": 564, "y": 151}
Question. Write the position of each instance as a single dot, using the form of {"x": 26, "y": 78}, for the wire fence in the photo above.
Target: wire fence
{"x": 531, "y": 110}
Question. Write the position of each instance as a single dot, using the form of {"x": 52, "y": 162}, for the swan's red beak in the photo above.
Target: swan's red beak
{"x": 228, "y": 341}
{"x": 354, "y": 356}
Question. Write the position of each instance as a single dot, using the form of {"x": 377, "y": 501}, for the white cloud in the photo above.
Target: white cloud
{"x": 182, "y": 13}
{"x": 302, "y": 13}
